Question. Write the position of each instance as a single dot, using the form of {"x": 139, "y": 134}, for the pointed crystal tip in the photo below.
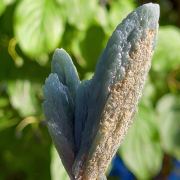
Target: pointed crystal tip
{"x": 149, "y": 15}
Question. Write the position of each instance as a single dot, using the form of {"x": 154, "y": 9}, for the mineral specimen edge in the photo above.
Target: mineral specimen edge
{"x": 87, "y": 127}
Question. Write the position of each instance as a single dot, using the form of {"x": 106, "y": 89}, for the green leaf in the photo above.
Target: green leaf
{"x": 141, "y": 150}
{"x": 3, "y": 102}
{"x": 2, "y": 7}
{"x": 57, "y": 170}
{"x": 166, "y": 60}
{"x": 168, "y": 108}
{"x": 167, "y": 54}
{"x": 118, "y": 11}
{"x": 7, "y": 123}
{"x": 80, "y": 13}
{"x": 149, "y": 93}
{"x": 101, "y": 17}
{"x": 92, "y": 45}
{"x": 22, "y": 97}
{"x": 7, "y": 117}
{"x": 85, "y": 49}
{"x": 4, "y": 4}
{"x": 39, "y": 28}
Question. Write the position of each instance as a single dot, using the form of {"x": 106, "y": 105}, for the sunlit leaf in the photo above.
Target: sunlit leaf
{"x": 168, "y": 109}
{"x": 101, "y": 17}
{"x": 2, "y": 7}
{"x": 4, "y": 4}
{"x": 22, "y": 97}
{"x": 141, "y": 150}
{"x": 167, "y": 54}
{"x": 38, "y": 26}
{"x": 148, "y": 93}
{"x": 118, "y": 11}
{"x": 80, "y": 13}
{"x": 57, "y": 170}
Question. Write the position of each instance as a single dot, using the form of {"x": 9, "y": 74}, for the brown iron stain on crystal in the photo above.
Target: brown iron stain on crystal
{"x": 120, "y": 109}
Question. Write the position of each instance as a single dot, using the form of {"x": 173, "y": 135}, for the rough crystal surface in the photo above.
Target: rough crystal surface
{"x": 88, "y": 120}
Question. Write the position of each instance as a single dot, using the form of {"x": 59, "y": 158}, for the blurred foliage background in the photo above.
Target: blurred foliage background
{"x": 29, "y": 33}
